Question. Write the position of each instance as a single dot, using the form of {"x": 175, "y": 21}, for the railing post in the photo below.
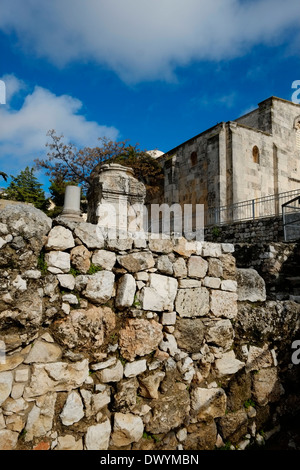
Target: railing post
{"x": 253, "y": 209}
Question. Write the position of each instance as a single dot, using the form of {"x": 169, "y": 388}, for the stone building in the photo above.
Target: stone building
{"x": 253, "y": 156}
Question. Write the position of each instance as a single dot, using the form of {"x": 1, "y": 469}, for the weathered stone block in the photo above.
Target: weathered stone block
{"x": 60, "y": 238}
{"x": 100, "y": 287}
{"x": 125, "y": 291}
{"x": 128, "y": 428}
{"x": 197, "y": 267}
{"x": 97, "y": 436}
{"x": 208, "y": 403}
{"x": 219, "y": 333}
{"x": 160, "y": 294}
{"x": 189, "y": 334}
{"x": 138, "y": 261}
{"x": 192, "y": 302}
{"x": 251, "y": 285}
{"x": 58, "y": 262}
{"x": 224, "y": 304}
{"x": 139, "y": 337}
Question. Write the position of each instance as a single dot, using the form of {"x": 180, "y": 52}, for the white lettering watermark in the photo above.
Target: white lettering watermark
{"x": 296, "y": 354}
{"x": 2, "y": 352}
{"x": 296, "y": 94}
{"x": 154, "y": 221}
{"x": 2, "y": 92}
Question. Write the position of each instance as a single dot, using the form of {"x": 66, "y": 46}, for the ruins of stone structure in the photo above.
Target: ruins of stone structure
{"x": 253, "y": 156}
{"x": 160, "y": 344}
{"x": 116, "y": 198}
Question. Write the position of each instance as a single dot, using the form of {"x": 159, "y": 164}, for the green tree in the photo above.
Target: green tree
{"x": 66, "y": 163}
{"x": 26, "y": 188}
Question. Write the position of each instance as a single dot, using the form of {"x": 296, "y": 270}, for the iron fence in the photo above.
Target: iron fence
{"x": 291, "y": 219}
{"x": 252, "y": 209}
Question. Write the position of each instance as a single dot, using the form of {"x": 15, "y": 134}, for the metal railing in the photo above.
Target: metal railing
{"x": 252, "y": 209}
{"x": 291, "y": 219}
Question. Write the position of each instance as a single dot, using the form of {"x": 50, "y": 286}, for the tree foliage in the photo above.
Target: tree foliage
{"x": 66, "y": 163}
{"x": 26, "y": 188}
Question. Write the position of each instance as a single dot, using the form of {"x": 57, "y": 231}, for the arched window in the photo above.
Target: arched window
{"x": 193, "y": 158}
{"x": 255, "y": 154}
{"x": 297, "y": 127}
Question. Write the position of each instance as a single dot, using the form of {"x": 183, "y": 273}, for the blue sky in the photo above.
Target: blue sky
{"x": 154, "y": 72}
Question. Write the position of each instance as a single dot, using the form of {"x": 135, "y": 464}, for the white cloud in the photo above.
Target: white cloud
{"x": 23, "y": 131}
{"x": 142, "y": 39}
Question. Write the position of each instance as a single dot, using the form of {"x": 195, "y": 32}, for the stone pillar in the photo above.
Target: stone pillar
{"x": 71, "y": 208}
{"x": 116, "y": 199}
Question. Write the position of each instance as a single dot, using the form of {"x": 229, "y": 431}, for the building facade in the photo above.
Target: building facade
{"x": 251, "y": 157}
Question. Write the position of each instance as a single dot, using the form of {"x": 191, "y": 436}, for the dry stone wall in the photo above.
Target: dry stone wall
{"x": 111, "y": 343}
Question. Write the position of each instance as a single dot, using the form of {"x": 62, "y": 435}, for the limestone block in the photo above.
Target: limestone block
{"x": 138, "y": 261}
{"x": 208, "y": 403}
{"x": 43, "y": 351}
{"x": 215, "y": 268}
{"x": 125, "y": 291}
{"x": 184, "y": 247}
{"x": 192, "y": 302}
{"x": 227, "y": 247}
{"x": 135, "y": 368}
{"x": 189, "y": 334}
{"x": 66, "y": 280}
{"x": 60, "y": 238}
{"x": 189, "y": 283}
{"x": 161, "y": 245}
{"x": 149, "y": 385}
{"x": 139, "y": 338}
{"x": 112, "y": 374}
{"x": 229, "y": 285}
{"x": 56, "y": 376}
{"x": 97, "y": 436}
{"x": 40, "y": 417}
{"x": 259, "y": 358}
{"x": 213, "y": 250}
{"x": 100, "y": 400}
{"x": 128, "y": 428}
{"x": 27, "y": 221}
{"x": 197, "y": 267}
{"x": 105, "y": 259}
{"x": 90, "y": 235}
{"x": 70, "y": 299}
{"x": 169, "y": 344}
{"x": 170, "y": 411}
{"x": 86, "y": 328}
{"x": 179, "y": 268}
{"x": 164, "y": 265}
{"x": 228, "y": 364}
{"x": 6, "y": 381}
{"x": 233, "y": 425}
{"x": 219, "y": 333}
{"x": 8, "y": 439}
{"x": 80, "y": 258}
{"x": 160, "y": 294}
{"x": 212, "y": 282}
{"x": 68, "y": 442}
{"x": 19, "y": 283}
{"x": 224, "y": 304}
{"x": 73, "y": 409}
{"x": 100, "y": 287}
{"x": 58, "y": 262}
{"x": 251, "y": 286}
{"x": 168, "y": 318}
{"x": 266, "y": 386}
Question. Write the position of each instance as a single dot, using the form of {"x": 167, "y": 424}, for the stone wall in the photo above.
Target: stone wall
{"x": 262, "y": 231}
{"x": 135, "y": 344}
